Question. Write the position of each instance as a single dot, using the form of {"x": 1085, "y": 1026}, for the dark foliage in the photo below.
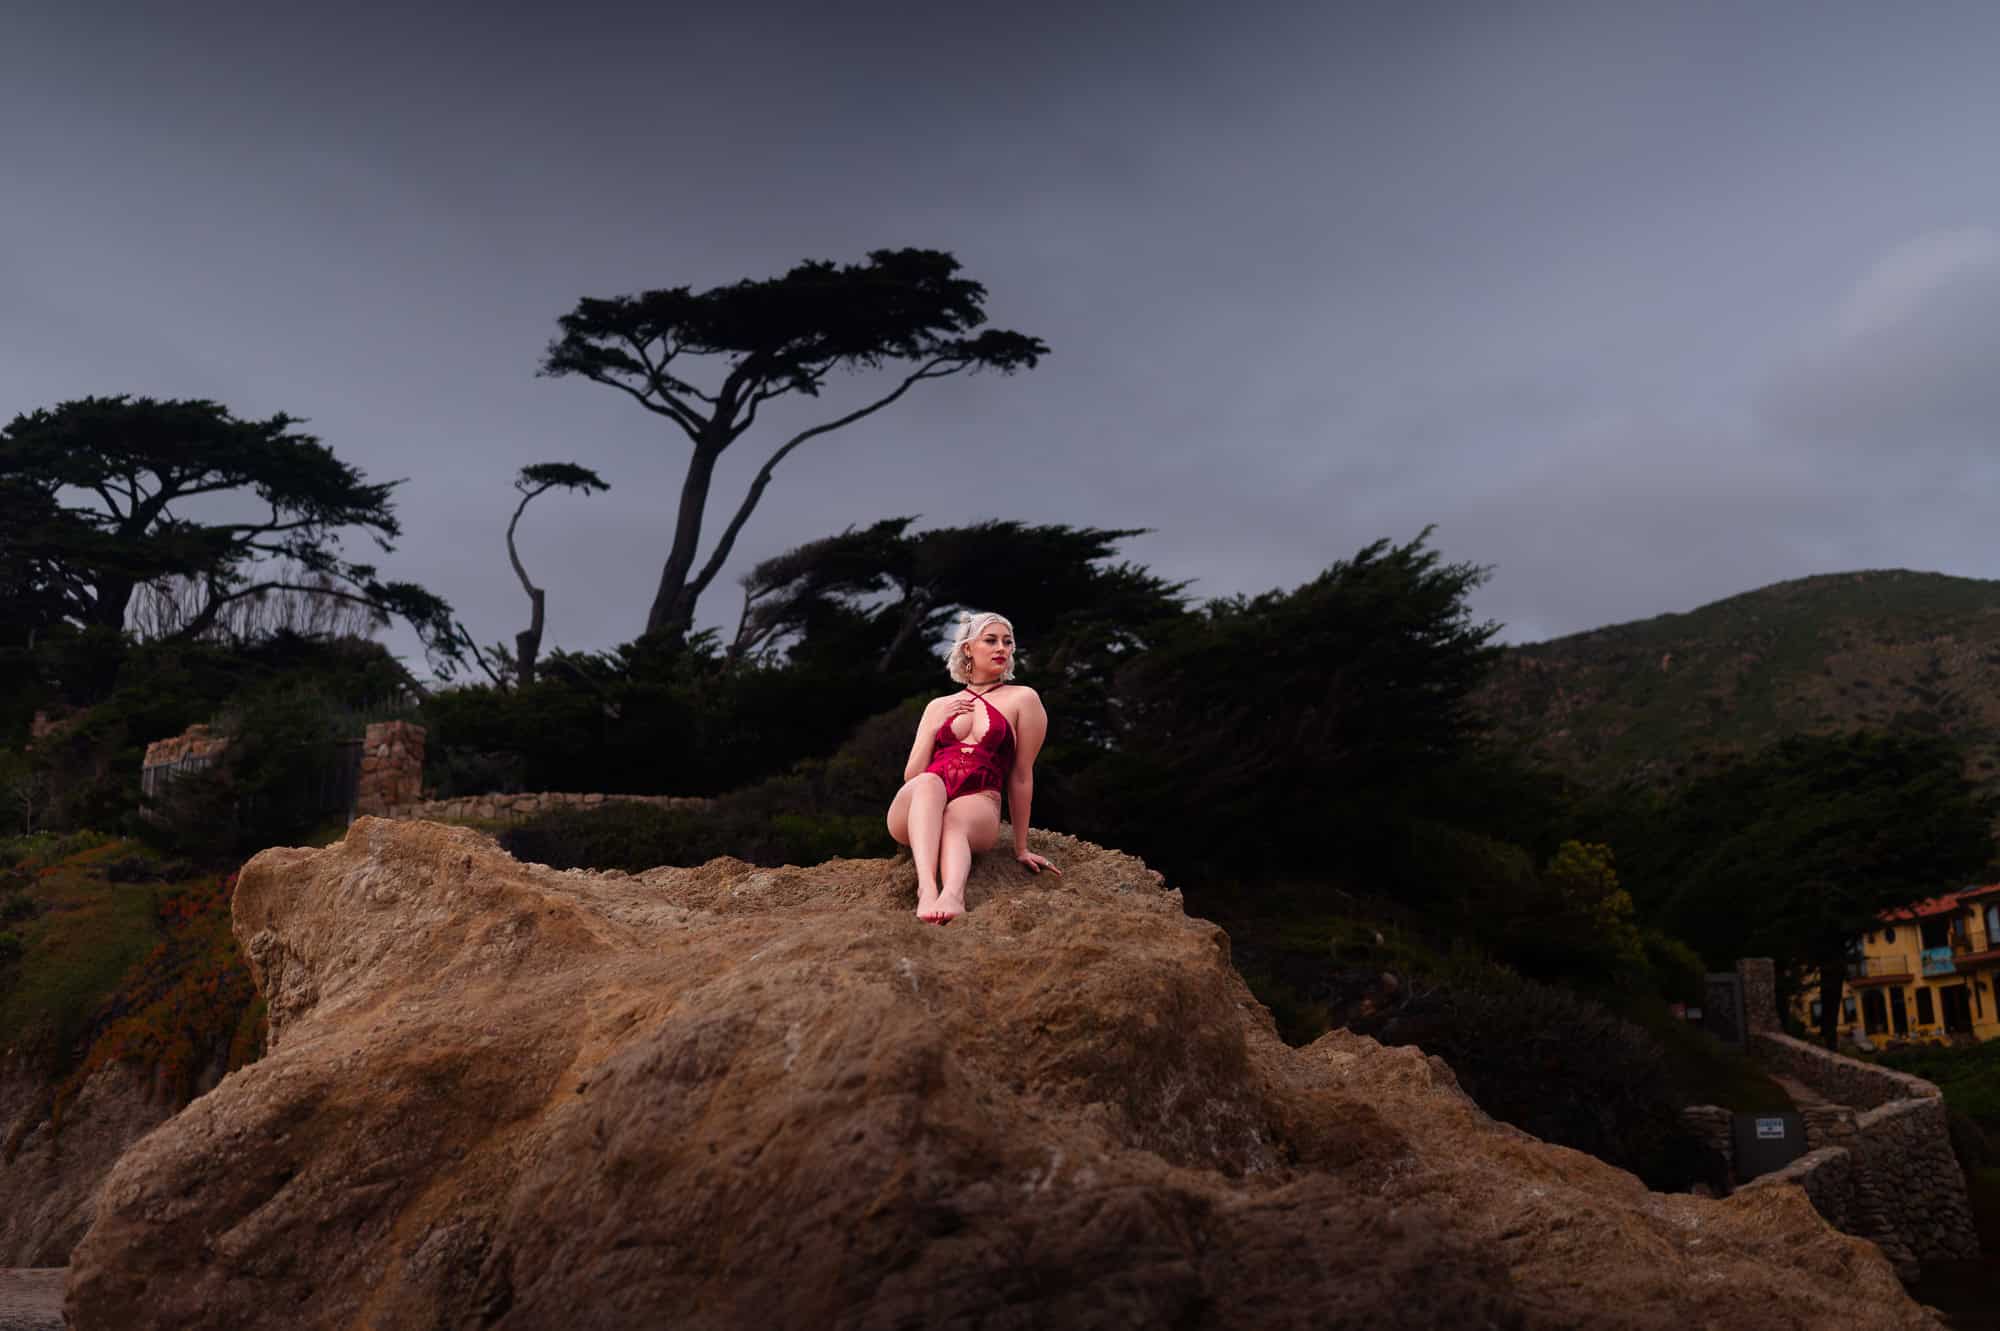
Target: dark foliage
{"x": 1313, "y": 730}
{"x": 645, "y": 722}
{"x": 820, "y": 810}
{"x": 147, "y": 869}
{"x": 108, "y": 475}
{"x": 156, "y": 690}
{"x": 636, "y": 837}
{"x": 1558, "y": 1065}
{"x": 1970, "y": 1142}
{"x": 275, "y": 785}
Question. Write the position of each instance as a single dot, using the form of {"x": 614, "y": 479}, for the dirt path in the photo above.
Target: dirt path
{"x": 31, "y": 1299}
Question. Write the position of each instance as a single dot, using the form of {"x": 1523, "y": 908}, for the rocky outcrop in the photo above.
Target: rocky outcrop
{"x": 49, "y": 1175}
{"x": 501, "y": 1095}
{"x": 31, "y": 1300}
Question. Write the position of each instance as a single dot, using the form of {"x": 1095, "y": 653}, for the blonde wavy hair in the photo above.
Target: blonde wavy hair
{"x": 970, "y": 625}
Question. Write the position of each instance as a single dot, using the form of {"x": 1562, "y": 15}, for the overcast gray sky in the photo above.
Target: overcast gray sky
{"x": 1642, "y": 305}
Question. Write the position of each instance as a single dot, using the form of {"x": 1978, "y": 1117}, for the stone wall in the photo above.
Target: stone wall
{"x": 1906, "y": 1190}
{"x": 513, "y": 808}
{"x": 192, "y": 750}
{"x": 1909, "y": 1186}
{"x": 1711, "y": 1126}
{"x": 1848, "y": 1080}
{"x": 1829, "y": 1177}
{"x": 392, "y": 767}
{"x": 195, "y": 747}
{"x": 1829, "y": 1124}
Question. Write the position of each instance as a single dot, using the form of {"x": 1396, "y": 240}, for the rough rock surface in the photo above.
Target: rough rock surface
{"x": 46, "y": 1190}
{"x": 501, "y": 1095}
{"x": 31, "y": 1300}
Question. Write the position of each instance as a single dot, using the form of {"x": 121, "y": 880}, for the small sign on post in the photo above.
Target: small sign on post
{"x": 1766, "y": 1142}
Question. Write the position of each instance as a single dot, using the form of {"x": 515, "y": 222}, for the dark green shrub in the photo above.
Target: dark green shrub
{"x": 147, "y": 869}
{"x": 1676, "y": 968}
{"x": 11, "y": 948}
{"x": 636, "y": 837}
{"x": 1968, "y": 1075}
{"x": 197, "y": 816}
{"x": 1557, "y": 1065}
{"x": 1970, "y": 1142}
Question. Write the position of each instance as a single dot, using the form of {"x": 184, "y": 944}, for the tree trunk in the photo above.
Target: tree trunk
{"x": 1832, "y": 975}
{"x": 915, "y": 609}
{"x": 673, "y": 610}
{"x": 113, "y": 597}
{"x": 528, "y": 642}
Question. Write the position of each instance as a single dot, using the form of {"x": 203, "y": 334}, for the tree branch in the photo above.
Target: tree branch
{"x": 479, "y": 656}
{"x": 514, "y": 557}
{"x": 663, "y": 381}
{"x": 690, "y": 423}
{"x": 206, "y": 617}
{"x": 763, "y": 478}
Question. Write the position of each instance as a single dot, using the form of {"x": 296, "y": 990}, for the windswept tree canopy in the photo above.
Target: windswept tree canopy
{"x": 35, "y": 589}
{"x": 112, "y": 479}
{"x": 882, "y": 594}
{"x": 1340, "y": 706}
{"x": 908, "y": 309}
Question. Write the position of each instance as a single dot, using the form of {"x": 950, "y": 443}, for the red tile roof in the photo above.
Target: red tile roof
{"x": 1939, "y": 905}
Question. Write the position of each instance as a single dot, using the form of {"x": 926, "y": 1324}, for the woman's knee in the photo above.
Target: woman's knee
{"x": 973, "y": 819}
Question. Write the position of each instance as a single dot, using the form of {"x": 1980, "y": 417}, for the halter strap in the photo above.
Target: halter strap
{"x": 999, "y": 717}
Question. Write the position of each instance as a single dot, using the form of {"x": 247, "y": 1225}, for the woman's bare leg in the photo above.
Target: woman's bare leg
{"x": 971, "y": 824}
{"x": 916, "y": 818}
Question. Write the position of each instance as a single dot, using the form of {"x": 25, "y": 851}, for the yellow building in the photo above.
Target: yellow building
{"x": 1929, "y": 971}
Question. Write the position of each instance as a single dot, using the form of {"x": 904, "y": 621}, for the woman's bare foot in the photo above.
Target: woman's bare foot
{"x": 927, "y": 903}
{"x": 950, "y": 905}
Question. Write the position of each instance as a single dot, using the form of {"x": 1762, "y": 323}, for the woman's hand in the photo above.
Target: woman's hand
{"x": 1037, "y": 863}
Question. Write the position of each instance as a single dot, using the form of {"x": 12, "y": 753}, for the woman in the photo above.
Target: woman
{"x": 969, "y": 747}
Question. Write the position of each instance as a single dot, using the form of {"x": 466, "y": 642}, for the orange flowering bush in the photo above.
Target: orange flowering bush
{"x": 188, "y": 1008}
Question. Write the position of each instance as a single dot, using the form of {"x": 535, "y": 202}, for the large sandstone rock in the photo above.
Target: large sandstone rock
{"x": 500, "y": 1095}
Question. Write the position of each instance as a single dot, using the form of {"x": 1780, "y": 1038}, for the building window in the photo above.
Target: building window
{"x": 1847, "y": 1009}
{"x": 1889, "y": 934}
{"x": 1926, "y": 1014}
{"x": 1817, "y": 1009}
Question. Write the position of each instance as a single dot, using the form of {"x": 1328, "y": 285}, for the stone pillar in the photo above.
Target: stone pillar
{"x": 392, "y": 767}
{"x": 1760, "y": 994}
{"x": 1711, "y": 1126}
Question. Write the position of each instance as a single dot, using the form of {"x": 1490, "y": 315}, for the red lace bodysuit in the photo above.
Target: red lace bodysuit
{"x": 968, "y": 768}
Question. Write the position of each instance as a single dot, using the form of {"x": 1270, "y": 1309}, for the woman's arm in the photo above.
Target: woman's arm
{"x": 920, "y": 751}
{"x": 1029, "y": 731}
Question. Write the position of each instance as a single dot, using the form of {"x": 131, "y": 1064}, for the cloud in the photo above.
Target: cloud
{"x": 1895, "y": 288}
{"x": 1909, "y": 372}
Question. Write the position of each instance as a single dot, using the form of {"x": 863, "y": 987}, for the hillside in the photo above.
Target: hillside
{"x": 1651, "y": 700}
